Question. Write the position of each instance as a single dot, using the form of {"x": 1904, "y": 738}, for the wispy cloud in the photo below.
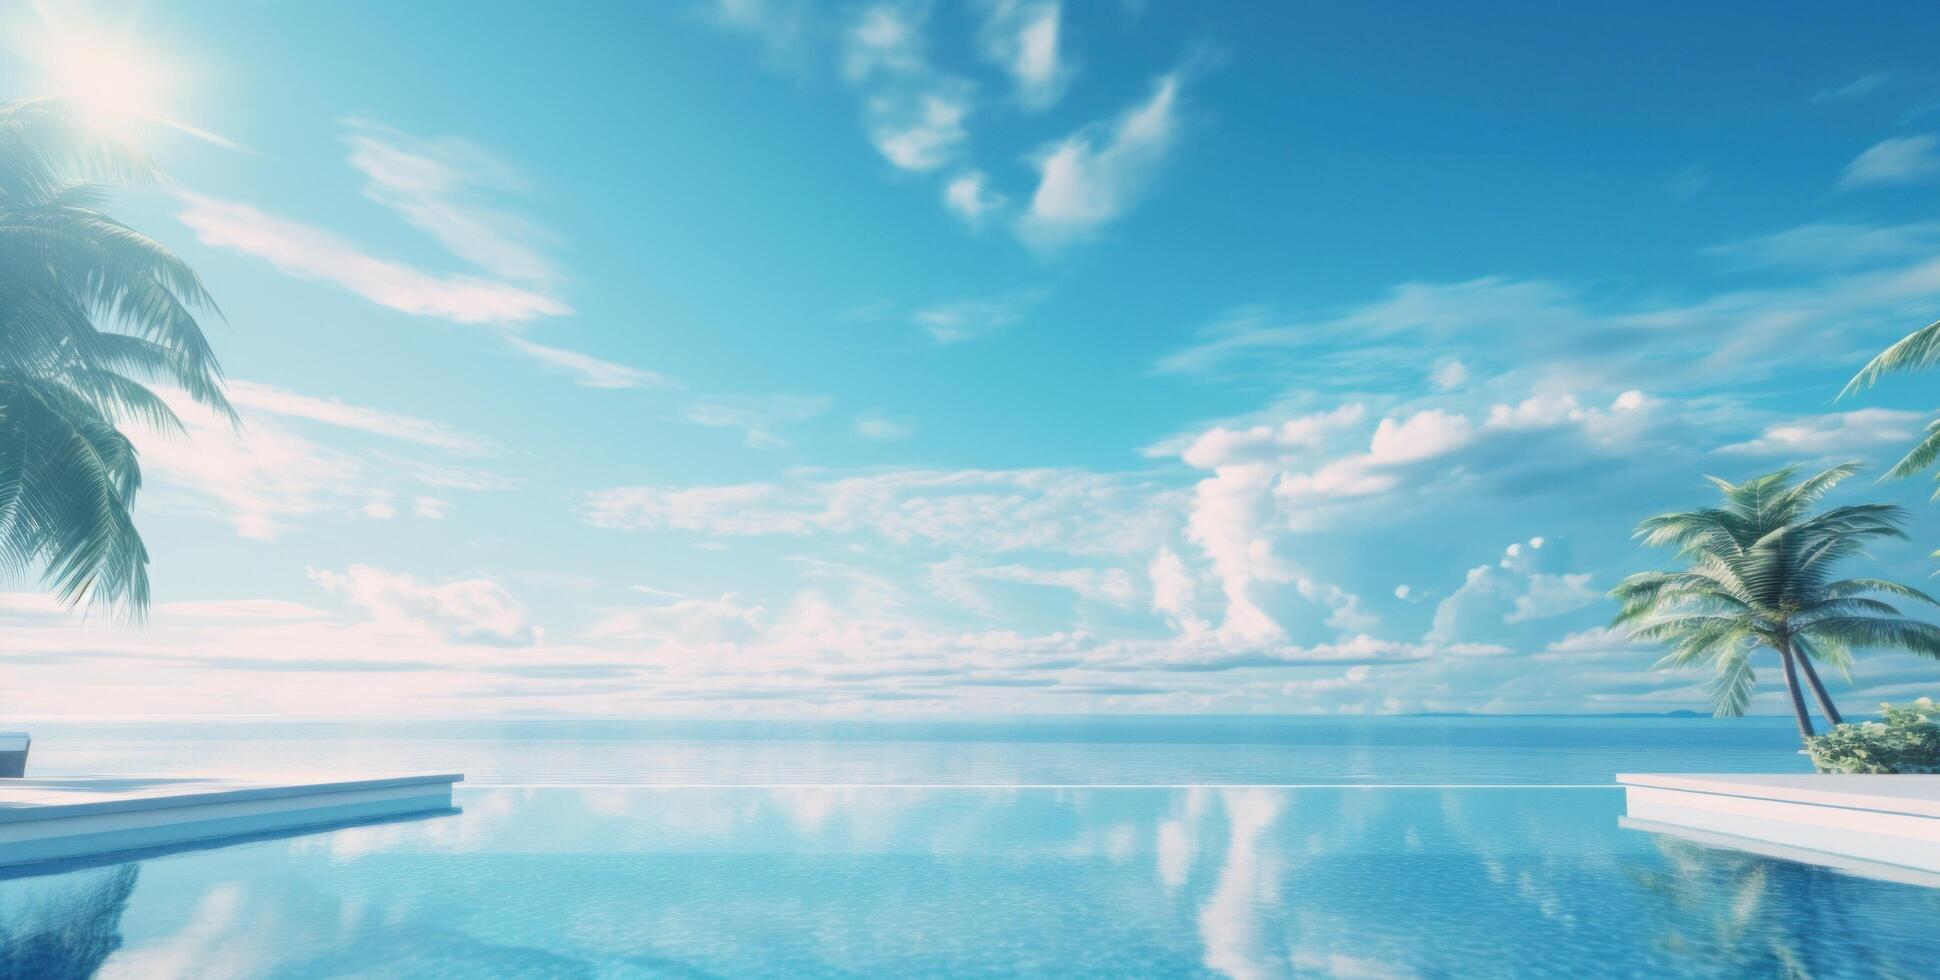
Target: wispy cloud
{"x": 1837, "y": 433}
{"x": 882, "y": 428}
{"x": 264, "y": 477}
{"x": 915, "y": 114}
{"x": 235, "y": 609}
{"x": 1563, "y": 336}
{"x": 1022, "y": 37}
{"x": 728, "y": 619}
{"x": 249, "y": 395}
{"x": 1898, "y": 160}
{"x": 434, "y": 184}
{"x": 437, "y": 186}
{"x": 757, "y": 416}
{"x": 590, "y": 371}
{"x": 258, "y": 480}
{"x": 1833, "y": 245}
{"x": 465, "y": 610}
{"x": 1851, "y": 91}
{"x": 957, "y": 580}
{"x": 780, "y": 26}
{"x": 304, "y": 252}
{"x": 1056, "y": 510}
{"x": 1093, "y": 176}
{"x": 969, "y": 195}
{"x": 956, "y": 321}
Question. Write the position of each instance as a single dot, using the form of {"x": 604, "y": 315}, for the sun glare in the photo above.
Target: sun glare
{"x": 112, "y": 82}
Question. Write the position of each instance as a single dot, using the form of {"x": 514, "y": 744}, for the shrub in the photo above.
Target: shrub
{"x": 1906, "y": 739}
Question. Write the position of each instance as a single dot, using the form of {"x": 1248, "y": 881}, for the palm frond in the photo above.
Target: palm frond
{"x": 91, "y": 312}
{"x": 1915, "y": 351}
{"x": 1921, "y": 456}
{"x": 1732, "y": 685}
{"x": 1878, "y": 633}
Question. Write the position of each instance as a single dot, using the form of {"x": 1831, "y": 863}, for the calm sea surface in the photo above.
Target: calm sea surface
{"x": 1244, "y": 848}
{"x": 1146, "y": 751}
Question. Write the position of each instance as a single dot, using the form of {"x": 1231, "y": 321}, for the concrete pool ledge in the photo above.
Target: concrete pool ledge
{"x": 1886, "y": 820}
{"x": 80, "y": 817}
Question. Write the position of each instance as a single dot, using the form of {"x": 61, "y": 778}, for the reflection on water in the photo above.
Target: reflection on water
{"x": 834, "y": 881}
{"x": 64, "y": 926}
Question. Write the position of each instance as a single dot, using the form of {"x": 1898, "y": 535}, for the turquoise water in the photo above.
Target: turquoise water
{"x": 1081, "y": 751}
{"x": 612, "y": 877}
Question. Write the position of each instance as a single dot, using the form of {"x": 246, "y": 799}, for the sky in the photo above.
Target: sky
{"x": 984, "y": 357}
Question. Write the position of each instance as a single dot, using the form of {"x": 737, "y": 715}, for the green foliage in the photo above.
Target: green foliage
{"x": 1916, "y": 351}
{"x": 1906, "y": 739}
{"x": 1758, "y": 574}
{"x": 91, "y": 312}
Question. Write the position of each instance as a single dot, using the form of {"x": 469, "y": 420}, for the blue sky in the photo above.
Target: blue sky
{"x": 973, "y": 357}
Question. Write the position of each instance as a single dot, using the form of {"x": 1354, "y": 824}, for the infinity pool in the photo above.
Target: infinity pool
{"x": 626, "y": 881}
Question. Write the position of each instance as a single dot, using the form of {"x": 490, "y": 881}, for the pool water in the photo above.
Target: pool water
{"x": 617, "y": 878}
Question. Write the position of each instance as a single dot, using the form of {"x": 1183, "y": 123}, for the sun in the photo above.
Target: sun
{"x": 113, "y": 83}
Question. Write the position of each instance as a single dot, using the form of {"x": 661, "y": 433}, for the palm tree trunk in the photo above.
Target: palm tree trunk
{"x": 1792, "y": 688}
{"x": 1819, "y": 694}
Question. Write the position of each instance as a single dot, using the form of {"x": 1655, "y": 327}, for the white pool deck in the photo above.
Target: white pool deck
{"x": 1866, "y": 824}
{"x": 88, "y": 816}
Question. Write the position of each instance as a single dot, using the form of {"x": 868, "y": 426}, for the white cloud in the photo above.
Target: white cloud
{"x": 1896, "y": 160}
{"x": 1835, "y": 433}
{"x": 430, "y": 508}
{"x": 881, "y": 428}
{"x": 1093, "y": 176}
{"x": 1347, "y": 614}
{"x": 1271, "y": 482}
{"x": 1022, "y": 37}
{"x": 919, "y": 129}
{"x": 1553, "y": 595}
{"x": 306, "y": 253}
{"x": 463, "y": 611}
{"x": 1527, "y": 583}
{"x": 1220, "y": 446}
{"x": 885, "y": 38}
{"x": 914, "y": 114}
{"x": 1174, "y": 592}
{"x": 1422, "y": 436}
{"x": 757, "y": 416}
{"x": 1232, "y": 522}
{"x": 970, "y": 196}
{"x": 1449, "y": 375}
{"x": 591, "y": 371}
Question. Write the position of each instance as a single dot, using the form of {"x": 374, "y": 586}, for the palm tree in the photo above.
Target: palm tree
{"x": 90, "y": 310}
{"x": 1758, "y": 576}
{"x": 1916, "y": 351}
